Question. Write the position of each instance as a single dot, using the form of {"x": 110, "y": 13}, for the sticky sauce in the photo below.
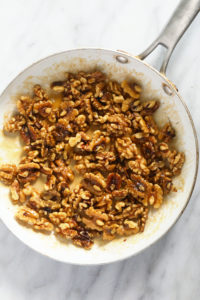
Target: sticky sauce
{"x": 56, "y": 99}
{"x": 10, "y": 148}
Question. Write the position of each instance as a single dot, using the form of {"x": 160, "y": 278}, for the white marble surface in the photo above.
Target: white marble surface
{"x": 170, "y": 269}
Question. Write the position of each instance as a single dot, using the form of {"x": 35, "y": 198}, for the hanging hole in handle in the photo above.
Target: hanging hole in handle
{"x": 167, "y": 89}
{"x": 121, "y": 59}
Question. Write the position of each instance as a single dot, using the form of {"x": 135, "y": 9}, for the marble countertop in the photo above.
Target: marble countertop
{"x": 170, "y": 269}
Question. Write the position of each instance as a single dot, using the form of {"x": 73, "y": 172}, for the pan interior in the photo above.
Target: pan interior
{"x": 53, "y": 68}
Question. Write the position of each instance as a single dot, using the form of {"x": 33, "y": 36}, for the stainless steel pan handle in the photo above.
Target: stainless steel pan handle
{"x": 173, "y": 31}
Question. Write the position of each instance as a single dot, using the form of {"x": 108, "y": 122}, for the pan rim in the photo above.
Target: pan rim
{"x": 128, "y": 55}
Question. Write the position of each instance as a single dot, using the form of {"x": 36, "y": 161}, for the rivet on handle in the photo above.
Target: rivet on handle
{"x": 121, "y": 59}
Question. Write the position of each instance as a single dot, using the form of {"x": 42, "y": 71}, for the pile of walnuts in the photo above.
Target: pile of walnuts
{"x": 102, "y": 133}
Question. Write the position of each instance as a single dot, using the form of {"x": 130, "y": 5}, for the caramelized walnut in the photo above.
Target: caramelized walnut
{"x": 7, "y": 173}
{"x": 113, "y": 181}
{"x": 126, "y": 148}
{"x": 103, "y": 134}
{"x": 28, "y": 172}
{"x": 95, "y": 183}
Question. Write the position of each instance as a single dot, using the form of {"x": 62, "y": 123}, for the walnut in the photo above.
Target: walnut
{"x": 120, "y": 194}
{"x": 139, "y": 123}
{"x": 95, "y": 220}
{"x": 167, "y": 133}
{"x": 126, "y": 148}
{"x": 83, "y": 240}
{"x": 96, "y": 76}
{"x": 7, "y": 173}
{"x": 132, "y": 90}
{"x": 28, "y": 172}
{"x": 113, "y": 181}
{"x": 27, "y": 215}
{"x": 149, "y": 148}
{"x": 139, "y": 166}
{"x": 149, "y": 107}
{"x": 50, "y": 195}
{"x": 140, "y": 188}
{"x": 14, "y": 124}
{"x": 25, "y": 105}
{"x": 94, "y": 183}
{"x": 103, "y": 134}
{"x": 175, "y": 159}
{"x": 58, "y": 217}
{"x": 43, "y": 108}
{"x": 37, "y": 203}
{"x": 14, "y": 191}
{"x": 79, "y": 237}
{"x": 118, "y": 99}
{"x": 117, "y": 125}
{"x": 62, "y": 171}
{"x": 88, "y": 109}
{"x": 98, "y": 142}
{"x": 39, "y": 92}
{"x": 43, "y": 224}
{"x": 81, "y": 120}
{"x": 58, "y": 86}
{"x": 156, "y": 198}
{"x": 126, "y": 104}
{"x": 73, "y": 141}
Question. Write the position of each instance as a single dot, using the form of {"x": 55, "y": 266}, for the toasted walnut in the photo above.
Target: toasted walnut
{"x": 98, "y": 142}
{"x": 7, "y": 173}
{"x": 126, "y": 148}
{"x": 62, "y": 171}
{"x": 149, "y": 107}
{"x": 132, "y": 90}
{"x": 94, "y": 183}
{"x": 117, "y": 125}
{"x": 37, "y": 203}
{"x": 39, "y": 92}
{"x": 120, "y": 194}
{"x": 139, "y": 166}
{"x": 79, "y": 236}
{"x": 126, "y": 104}
{"x": 43, "y": 224}
{"x": 50, "y": 195}
{"x": 156, "y": 198}
{"x": 28, "y": 172}
{"x": 58, "y": 86}
{"x": 43, "y": 108}
{"x": 167, "y": 133}
{"x": 118, "y": 99}
{"x": 24, "y": 105}
{"x": 83, "y": 240}
{"x": 14, "y": 191}
{"x": 88, "y": 109}
{"x": 175, "y": 159}
{"x": 14, "y": 124}
{"x": 27, "y": 215}
{"x": 102, "y": 134}
{"x": 58, "y": 217}
{"x": 139, "y": 123}
{"x": 73, "y": 141}
{"x": 114, "y": 181}
{"x": 140, "y": 188}
{"x": 95, "y": 219}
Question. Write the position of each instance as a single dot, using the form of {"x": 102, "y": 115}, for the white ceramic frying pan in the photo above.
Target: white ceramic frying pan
{"x": 119, "y": 66}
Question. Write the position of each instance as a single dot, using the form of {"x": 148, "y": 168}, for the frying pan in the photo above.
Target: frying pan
{"x": 119, "y": 66}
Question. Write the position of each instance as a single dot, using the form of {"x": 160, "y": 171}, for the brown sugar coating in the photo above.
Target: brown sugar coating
{"x": 102, "y": 133}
